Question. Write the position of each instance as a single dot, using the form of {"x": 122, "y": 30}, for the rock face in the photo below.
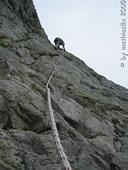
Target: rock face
{"x": 91, "y": 112}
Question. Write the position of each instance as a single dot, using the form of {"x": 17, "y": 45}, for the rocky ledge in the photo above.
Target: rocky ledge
{"x": 91, "y": 112}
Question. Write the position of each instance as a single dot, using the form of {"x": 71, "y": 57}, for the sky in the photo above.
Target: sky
{"x": 91, "y": 31}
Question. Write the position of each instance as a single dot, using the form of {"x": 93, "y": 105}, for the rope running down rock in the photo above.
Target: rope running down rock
{"x": 64, "y": 161}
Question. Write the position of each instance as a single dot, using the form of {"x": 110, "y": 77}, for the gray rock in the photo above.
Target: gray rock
{"x": 91, "y": 112}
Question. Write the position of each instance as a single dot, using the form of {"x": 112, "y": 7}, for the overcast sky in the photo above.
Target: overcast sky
{"x": 91, "y": 30}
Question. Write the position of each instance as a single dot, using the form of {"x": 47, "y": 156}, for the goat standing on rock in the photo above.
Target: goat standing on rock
{"x": 59, "y": 42}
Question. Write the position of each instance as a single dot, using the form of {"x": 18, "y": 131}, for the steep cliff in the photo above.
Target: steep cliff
{"x": 91, "y": 112}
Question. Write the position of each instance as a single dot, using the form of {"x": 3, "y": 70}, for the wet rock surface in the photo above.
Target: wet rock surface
{"x": 91, "y": 112}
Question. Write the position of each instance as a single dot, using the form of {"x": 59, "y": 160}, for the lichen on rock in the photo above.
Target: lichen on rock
{"x": 5, "y": 40}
